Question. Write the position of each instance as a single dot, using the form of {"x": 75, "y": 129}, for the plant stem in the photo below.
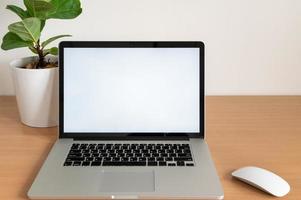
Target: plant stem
{"x": 41, "y": 55}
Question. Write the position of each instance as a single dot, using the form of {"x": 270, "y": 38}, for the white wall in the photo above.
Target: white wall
{"x": 252, "y": 46}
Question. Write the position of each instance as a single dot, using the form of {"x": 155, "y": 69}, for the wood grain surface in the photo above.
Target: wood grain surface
{"x": 263, "y": 131}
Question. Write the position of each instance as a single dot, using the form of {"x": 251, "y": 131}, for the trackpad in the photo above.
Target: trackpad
{"x": 112, "y": 181}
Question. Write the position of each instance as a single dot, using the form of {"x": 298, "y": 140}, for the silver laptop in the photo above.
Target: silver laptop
{"x": 131, "y": 124}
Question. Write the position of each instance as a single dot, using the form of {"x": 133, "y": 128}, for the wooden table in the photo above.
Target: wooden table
{"x": 262, "y": 131}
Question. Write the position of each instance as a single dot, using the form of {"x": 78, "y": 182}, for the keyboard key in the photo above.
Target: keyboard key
{"x": 95, "y": 163}
{"x": 138, "y": 155}
{"x": 107, "y": 159}
{"x": 67, "y": 163}
{"x": 112, "y": 155}
{"x": 120, "y": 155}
{"x": 120, "y": 151}
{"x": 170, "y": 151}
{"x": 129, "y": 155}
{"x": 133, "y": 159}
{"x": 124, "y": 159}
{"x": 85, "y": 163}
{"x": 171, "y": 164}
{"x": 184, "y": 155}
{"x": 128, "y": 151}
{"x": 183, "y": 159}
{"x": 162, "y": 151}
{"x": 162, "y": 163}
{"x": 145, "y": 151}
{"x": 189, "y": 164}
{"x": 146, "y": 155}
{"x": 153, "y": 151}
{"x": 137, "y": 163}
{"x": 124, "y": 163}
{"x": 141, "y": 159}
{"x": 152, "y": 163}
{"x": 98, "y": 159}
{"x": 168, "y": 159}
{"x": 110, "y": 163}
{"x": 134, "y": 151}
{"x": 164, "y": 155}
{"x": 155, "y": 155}
{"x": 103, "y": 155}
{"x": 75, "y": 146}
{"x": 75, "y": 151}
{"x": 103, "y": 151}
{"x": 83, "y": 146}
{"x": 150, "y": 145}
{"x": 74, "y": 155}
{"x": 89, "y": 158}
{"x": 151, "y": 159}
{"x": 76, "y": 159}
{"x": 125, "y": 148}
{"x": 115, "y": 159}
{"x": 180, "y": 163}
{"x": 77, "y": 163}
{"x": 187, "y": 151}
{"x": 160, "y": 159}
{"x": 172, "y": 155}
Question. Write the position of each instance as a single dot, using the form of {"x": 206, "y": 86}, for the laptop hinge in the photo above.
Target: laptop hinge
{"x": 135, "y": 138}
{"x": 66, "y": 139}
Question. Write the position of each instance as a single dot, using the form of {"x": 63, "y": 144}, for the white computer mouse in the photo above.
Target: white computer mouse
{"x": 263, "y": 179}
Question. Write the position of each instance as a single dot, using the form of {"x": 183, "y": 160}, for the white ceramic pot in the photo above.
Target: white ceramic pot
{"x": 36, "y": 92}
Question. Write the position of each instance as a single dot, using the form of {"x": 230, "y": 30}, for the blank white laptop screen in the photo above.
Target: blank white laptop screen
{"x": 131, "y": 90}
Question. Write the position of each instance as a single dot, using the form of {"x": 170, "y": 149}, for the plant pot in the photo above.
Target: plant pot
{"x": 36, "y": 92}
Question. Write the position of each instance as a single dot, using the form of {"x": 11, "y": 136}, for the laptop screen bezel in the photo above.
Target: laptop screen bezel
{"x": 130, "y": 44}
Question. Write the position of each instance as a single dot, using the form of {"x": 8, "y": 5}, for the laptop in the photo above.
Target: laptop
{"x": 132, "y": 124}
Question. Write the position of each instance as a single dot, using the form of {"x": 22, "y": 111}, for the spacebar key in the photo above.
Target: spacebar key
{"x": 135, "y": 163}
{"x": 109, "y": 163}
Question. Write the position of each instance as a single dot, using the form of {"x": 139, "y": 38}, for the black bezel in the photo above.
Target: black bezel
{"x": 129, "y": 44}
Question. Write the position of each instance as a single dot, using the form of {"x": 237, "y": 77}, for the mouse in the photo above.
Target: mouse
{"x": 263, "y": 179}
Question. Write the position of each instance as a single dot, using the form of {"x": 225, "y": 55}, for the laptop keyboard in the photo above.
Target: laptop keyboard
{"x": 83, "y": 154}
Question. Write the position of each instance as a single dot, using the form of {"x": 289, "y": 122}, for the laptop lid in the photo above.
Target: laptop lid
{"x": 131, "y": 90}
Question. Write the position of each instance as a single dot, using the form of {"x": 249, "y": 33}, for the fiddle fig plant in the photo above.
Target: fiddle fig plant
{"x": 27, "y": 31}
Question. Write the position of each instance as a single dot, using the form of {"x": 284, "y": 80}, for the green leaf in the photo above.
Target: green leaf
{"x": 53, "y": 51}
{"x": 27, "y": 29}
{"x": 43, "y": 22}
{"x": 45, "y": 43}
{"x": 65, "y": 9}
{"x": 12, "y": 41}
{"x": 33, "y": 50}
{"x": 38, "y": 8}
{"x": 19, "y": 11}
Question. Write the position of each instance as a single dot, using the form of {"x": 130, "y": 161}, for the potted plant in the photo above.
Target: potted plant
{"x": 36, "y": 78}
